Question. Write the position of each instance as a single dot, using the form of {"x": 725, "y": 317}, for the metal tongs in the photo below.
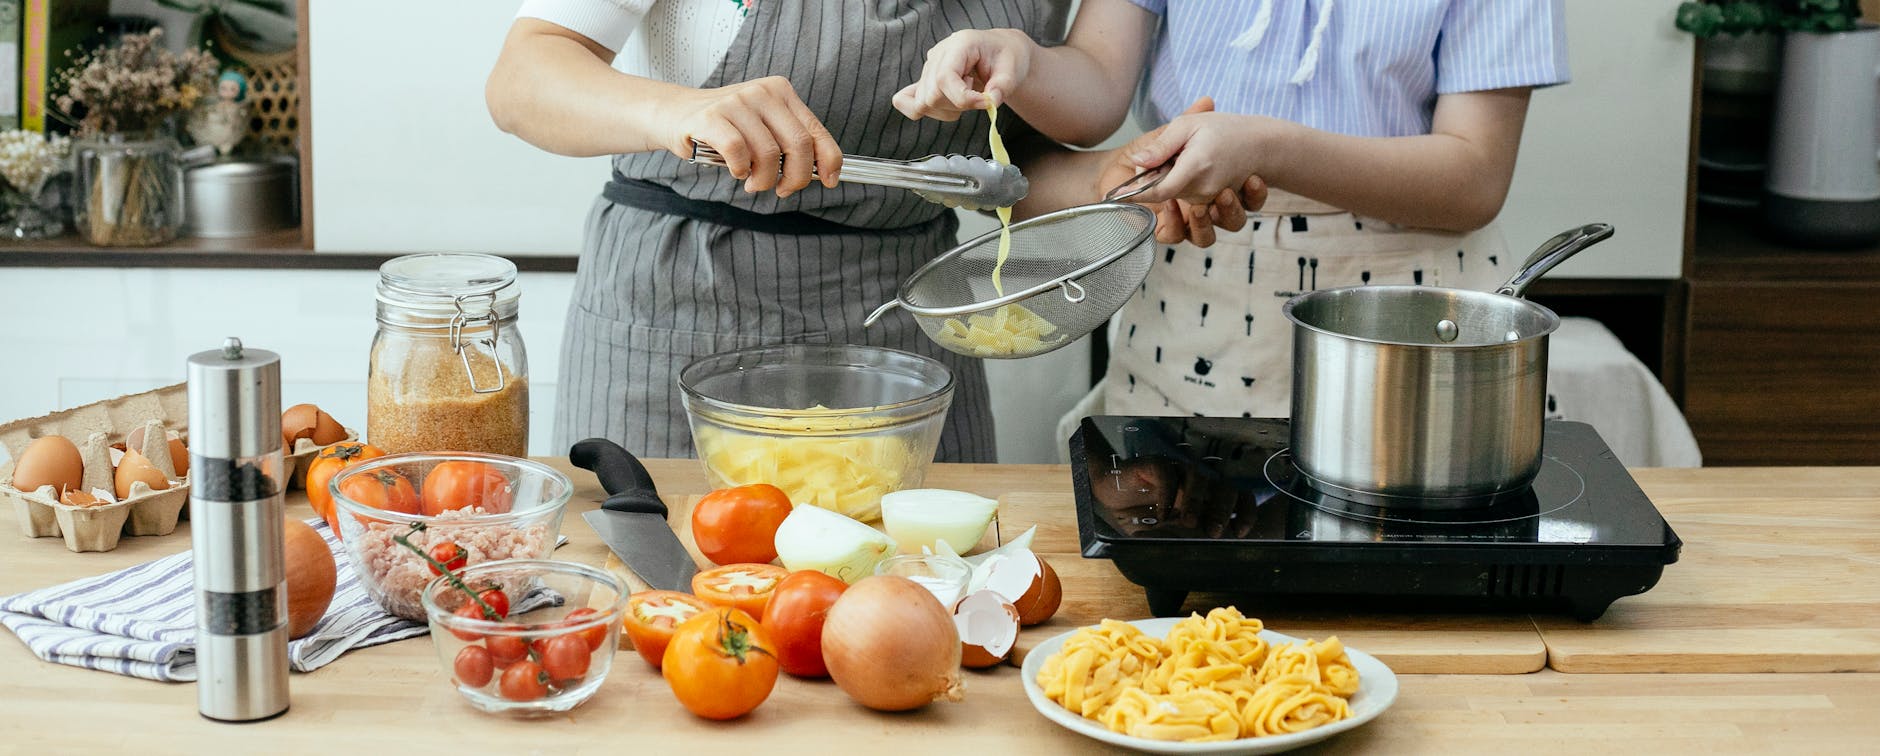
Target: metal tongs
{"x": 964, "y": 181}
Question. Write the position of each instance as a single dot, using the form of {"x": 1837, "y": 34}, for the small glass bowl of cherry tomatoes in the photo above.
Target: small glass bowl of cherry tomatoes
{"x": 538, "y": 637}
{"x": 478, "y": 507}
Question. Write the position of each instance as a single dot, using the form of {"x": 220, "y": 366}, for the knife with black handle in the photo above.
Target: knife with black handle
{"x": 632, "y": 521}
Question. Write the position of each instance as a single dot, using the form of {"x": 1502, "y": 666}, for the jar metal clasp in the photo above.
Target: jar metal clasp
{"x": 465, "y": 320}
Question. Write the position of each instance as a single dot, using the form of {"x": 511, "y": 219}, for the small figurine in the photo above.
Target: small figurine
{"x": 223, "y": 121}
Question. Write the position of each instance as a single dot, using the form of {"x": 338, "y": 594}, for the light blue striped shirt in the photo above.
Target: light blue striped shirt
{"x": 1375, "y": 68}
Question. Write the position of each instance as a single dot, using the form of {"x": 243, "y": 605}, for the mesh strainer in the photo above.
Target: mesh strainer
{"x": 1072, "y": 269}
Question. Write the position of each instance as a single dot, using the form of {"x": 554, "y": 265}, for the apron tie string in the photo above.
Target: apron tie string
{"x": 1309, "y": 61}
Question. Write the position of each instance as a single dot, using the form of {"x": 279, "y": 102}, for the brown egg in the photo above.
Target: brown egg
{"x": 179, "y": 454}
{"x": 297, "y": 423}
{"x": 326, "y": 430}
{"x": 135, "y": 467}
{"x": 49, "y": 461}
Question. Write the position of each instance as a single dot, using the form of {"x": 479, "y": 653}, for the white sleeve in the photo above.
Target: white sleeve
{"x": 608, "y": 22}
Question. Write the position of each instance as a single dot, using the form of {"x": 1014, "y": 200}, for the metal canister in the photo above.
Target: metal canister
{"x": 235, "y": 503}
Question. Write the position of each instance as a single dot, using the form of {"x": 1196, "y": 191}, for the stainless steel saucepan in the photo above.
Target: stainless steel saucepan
{"x": 1425, "y": 397}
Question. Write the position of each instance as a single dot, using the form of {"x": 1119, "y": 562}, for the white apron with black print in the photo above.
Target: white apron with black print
{"x": 1204, "y": 335}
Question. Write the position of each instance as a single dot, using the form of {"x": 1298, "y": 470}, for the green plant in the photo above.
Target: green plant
{"x": 1712, "y": 17}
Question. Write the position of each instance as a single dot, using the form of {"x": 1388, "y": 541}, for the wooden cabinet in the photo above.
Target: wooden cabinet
{"x": 1782, "y": 360}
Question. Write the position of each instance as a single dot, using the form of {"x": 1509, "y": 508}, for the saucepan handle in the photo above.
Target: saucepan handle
{"x": 1554, "y": 252}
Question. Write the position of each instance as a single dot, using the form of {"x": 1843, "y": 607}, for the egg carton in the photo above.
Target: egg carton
{"x": 145, "y": 512}
{"x": 301, "y": 457}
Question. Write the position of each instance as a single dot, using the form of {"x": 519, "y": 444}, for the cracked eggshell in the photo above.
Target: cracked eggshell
{"x": 1026, "y": 580}
{"x": 136, "y": 468}
{"x": 988, "y": 627}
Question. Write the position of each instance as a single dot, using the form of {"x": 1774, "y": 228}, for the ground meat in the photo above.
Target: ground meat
{"x": 395, "y": 577}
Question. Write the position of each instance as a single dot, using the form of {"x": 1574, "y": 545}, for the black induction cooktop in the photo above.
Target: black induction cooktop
{"x": 1215, "y": 505}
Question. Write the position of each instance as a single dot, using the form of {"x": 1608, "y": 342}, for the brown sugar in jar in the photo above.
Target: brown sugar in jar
{"x": 448, "y": 369}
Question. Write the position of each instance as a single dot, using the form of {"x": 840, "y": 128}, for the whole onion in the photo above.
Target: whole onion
{"x": 891, "y": 646}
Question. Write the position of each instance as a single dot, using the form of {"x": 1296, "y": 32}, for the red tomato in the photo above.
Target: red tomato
{"x": 452, "y": 556}
{"x": 565, "y": 657}
{"x": 595, "y": 636}
{"x": 524, "y": 681}
{"x": 720, "y": 664}
{"x": 473, "y": 667}
{"x": 733, "y": 525}
{"x": 651, "y": 617}
{"x": 739, "y": 586}
{"x": 497, "y": 599}
{"x": 324, "y": 466}
{"x": 794, "y": 620}
{"x": 506, "y": 649}
{"x": 461, "y": 485}
{"x": 469, "y": 610}
{"x": 382, "y": 489}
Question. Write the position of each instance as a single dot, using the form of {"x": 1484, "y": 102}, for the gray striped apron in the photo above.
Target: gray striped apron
{"x": 679, "y": 262}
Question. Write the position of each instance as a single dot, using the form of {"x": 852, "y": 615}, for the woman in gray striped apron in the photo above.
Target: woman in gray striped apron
{"x": 684, "y": 260}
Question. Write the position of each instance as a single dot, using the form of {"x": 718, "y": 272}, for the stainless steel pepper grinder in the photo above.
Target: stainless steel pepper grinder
{"x": 235, "y": 527}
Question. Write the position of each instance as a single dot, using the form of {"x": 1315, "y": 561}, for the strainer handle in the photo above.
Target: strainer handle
{"x": 880, "y": 311}
{"x": 1074, "y": 293}
{"x": 1152, "y": 177}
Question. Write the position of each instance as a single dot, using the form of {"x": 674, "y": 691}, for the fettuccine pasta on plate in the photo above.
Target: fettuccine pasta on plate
{"x": 1213, "y": 678}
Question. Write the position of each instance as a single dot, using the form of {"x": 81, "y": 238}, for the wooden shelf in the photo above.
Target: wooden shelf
{"x": 1731, "y": 246}
{"x": 281, "y": 249}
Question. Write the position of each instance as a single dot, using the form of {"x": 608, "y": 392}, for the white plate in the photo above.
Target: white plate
{"x": 1377, "y": 688}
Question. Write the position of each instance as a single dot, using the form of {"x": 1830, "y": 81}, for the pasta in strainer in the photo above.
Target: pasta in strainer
{"x": 1213, "y": 678}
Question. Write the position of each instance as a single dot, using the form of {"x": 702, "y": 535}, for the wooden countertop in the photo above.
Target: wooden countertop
{"x": 396, "y": 696}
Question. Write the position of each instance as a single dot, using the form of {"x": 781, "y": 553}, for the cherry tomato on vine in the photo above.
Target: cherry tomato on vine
{"x": 565, "y": 657}
{"x": 596, "y": 636}
{"x": 739, "y": 586}
{"x": 734, "y": 525}
{"x": 473, "y": 666}
{"x": 449, "y": 554}
{"x": 523, "y": 681}
{"x": 469, "y": 610}
{"x": 506, "y": 649}
{"x": 652, "y": 616}
{"x": 497, "y": 599}
{"x": 720, "y": 664}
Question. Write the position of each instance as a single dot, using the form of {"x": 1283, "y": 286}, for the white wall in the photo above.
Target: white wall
{"x": 1612, "y": 146}
{"x": 405, "y": 159}
{"x": 132, "y": 330}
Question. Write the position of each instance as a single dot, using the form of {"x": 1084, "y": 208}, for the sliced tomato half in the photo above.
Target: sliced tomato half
{"x": 651, "y": 617}
{"x": 739, "y": 586}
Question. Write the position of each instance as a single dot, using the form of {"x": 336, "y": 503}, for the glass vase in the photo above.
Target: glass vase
{"x": 24, "y": 216}
{"x": 129, "y": 190}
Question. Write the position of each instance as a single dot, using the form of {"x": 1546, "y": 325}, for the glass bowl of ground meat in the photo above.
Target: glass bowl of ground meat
{"x": 404, "y": 518}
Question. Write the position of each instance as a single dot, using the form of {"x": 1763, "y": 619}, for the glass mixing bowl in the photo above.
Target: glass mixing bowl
{"x": 835, "y": 426}
{"x": 520, "y": 664}
{"x": 494, "y": 507}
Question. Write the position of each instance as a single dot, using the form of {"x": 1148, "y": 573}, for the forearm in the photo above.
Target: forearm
{"x": 1079, "y": 92}
{"x": 1074, "y": 97}
{"x": 1454, "y": 178}
{"x": 1431, "y": 181}
{"x": 559, "y": 92}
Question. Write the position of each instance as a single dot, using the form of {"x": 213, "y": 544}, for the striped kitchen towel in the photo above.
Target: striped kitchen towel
{"x": 141, "y": 621}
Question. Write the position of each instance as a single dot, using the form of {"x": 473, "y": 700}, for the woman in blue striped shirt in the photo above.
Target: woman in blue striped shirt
{"x": 1386, "y": 130}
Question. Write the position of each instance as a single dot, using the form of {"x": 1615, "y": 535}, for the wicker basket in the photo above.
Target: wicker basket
{"x": 272, "y": 88}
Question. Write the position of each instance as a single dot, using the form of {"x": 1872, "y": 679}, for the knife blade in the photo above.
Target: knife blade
{"x": 632, "y": 521}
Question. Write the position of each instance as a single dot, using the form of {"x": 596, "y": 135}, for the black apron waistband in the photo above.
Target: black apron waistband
{"x": 659, "y": 198}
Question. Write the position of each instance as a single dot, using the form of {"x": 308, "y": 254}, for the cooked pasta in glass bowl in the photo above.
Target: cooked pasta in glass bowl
{"x": 834, "y": 426}
{"x": 1218, "y": 684}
